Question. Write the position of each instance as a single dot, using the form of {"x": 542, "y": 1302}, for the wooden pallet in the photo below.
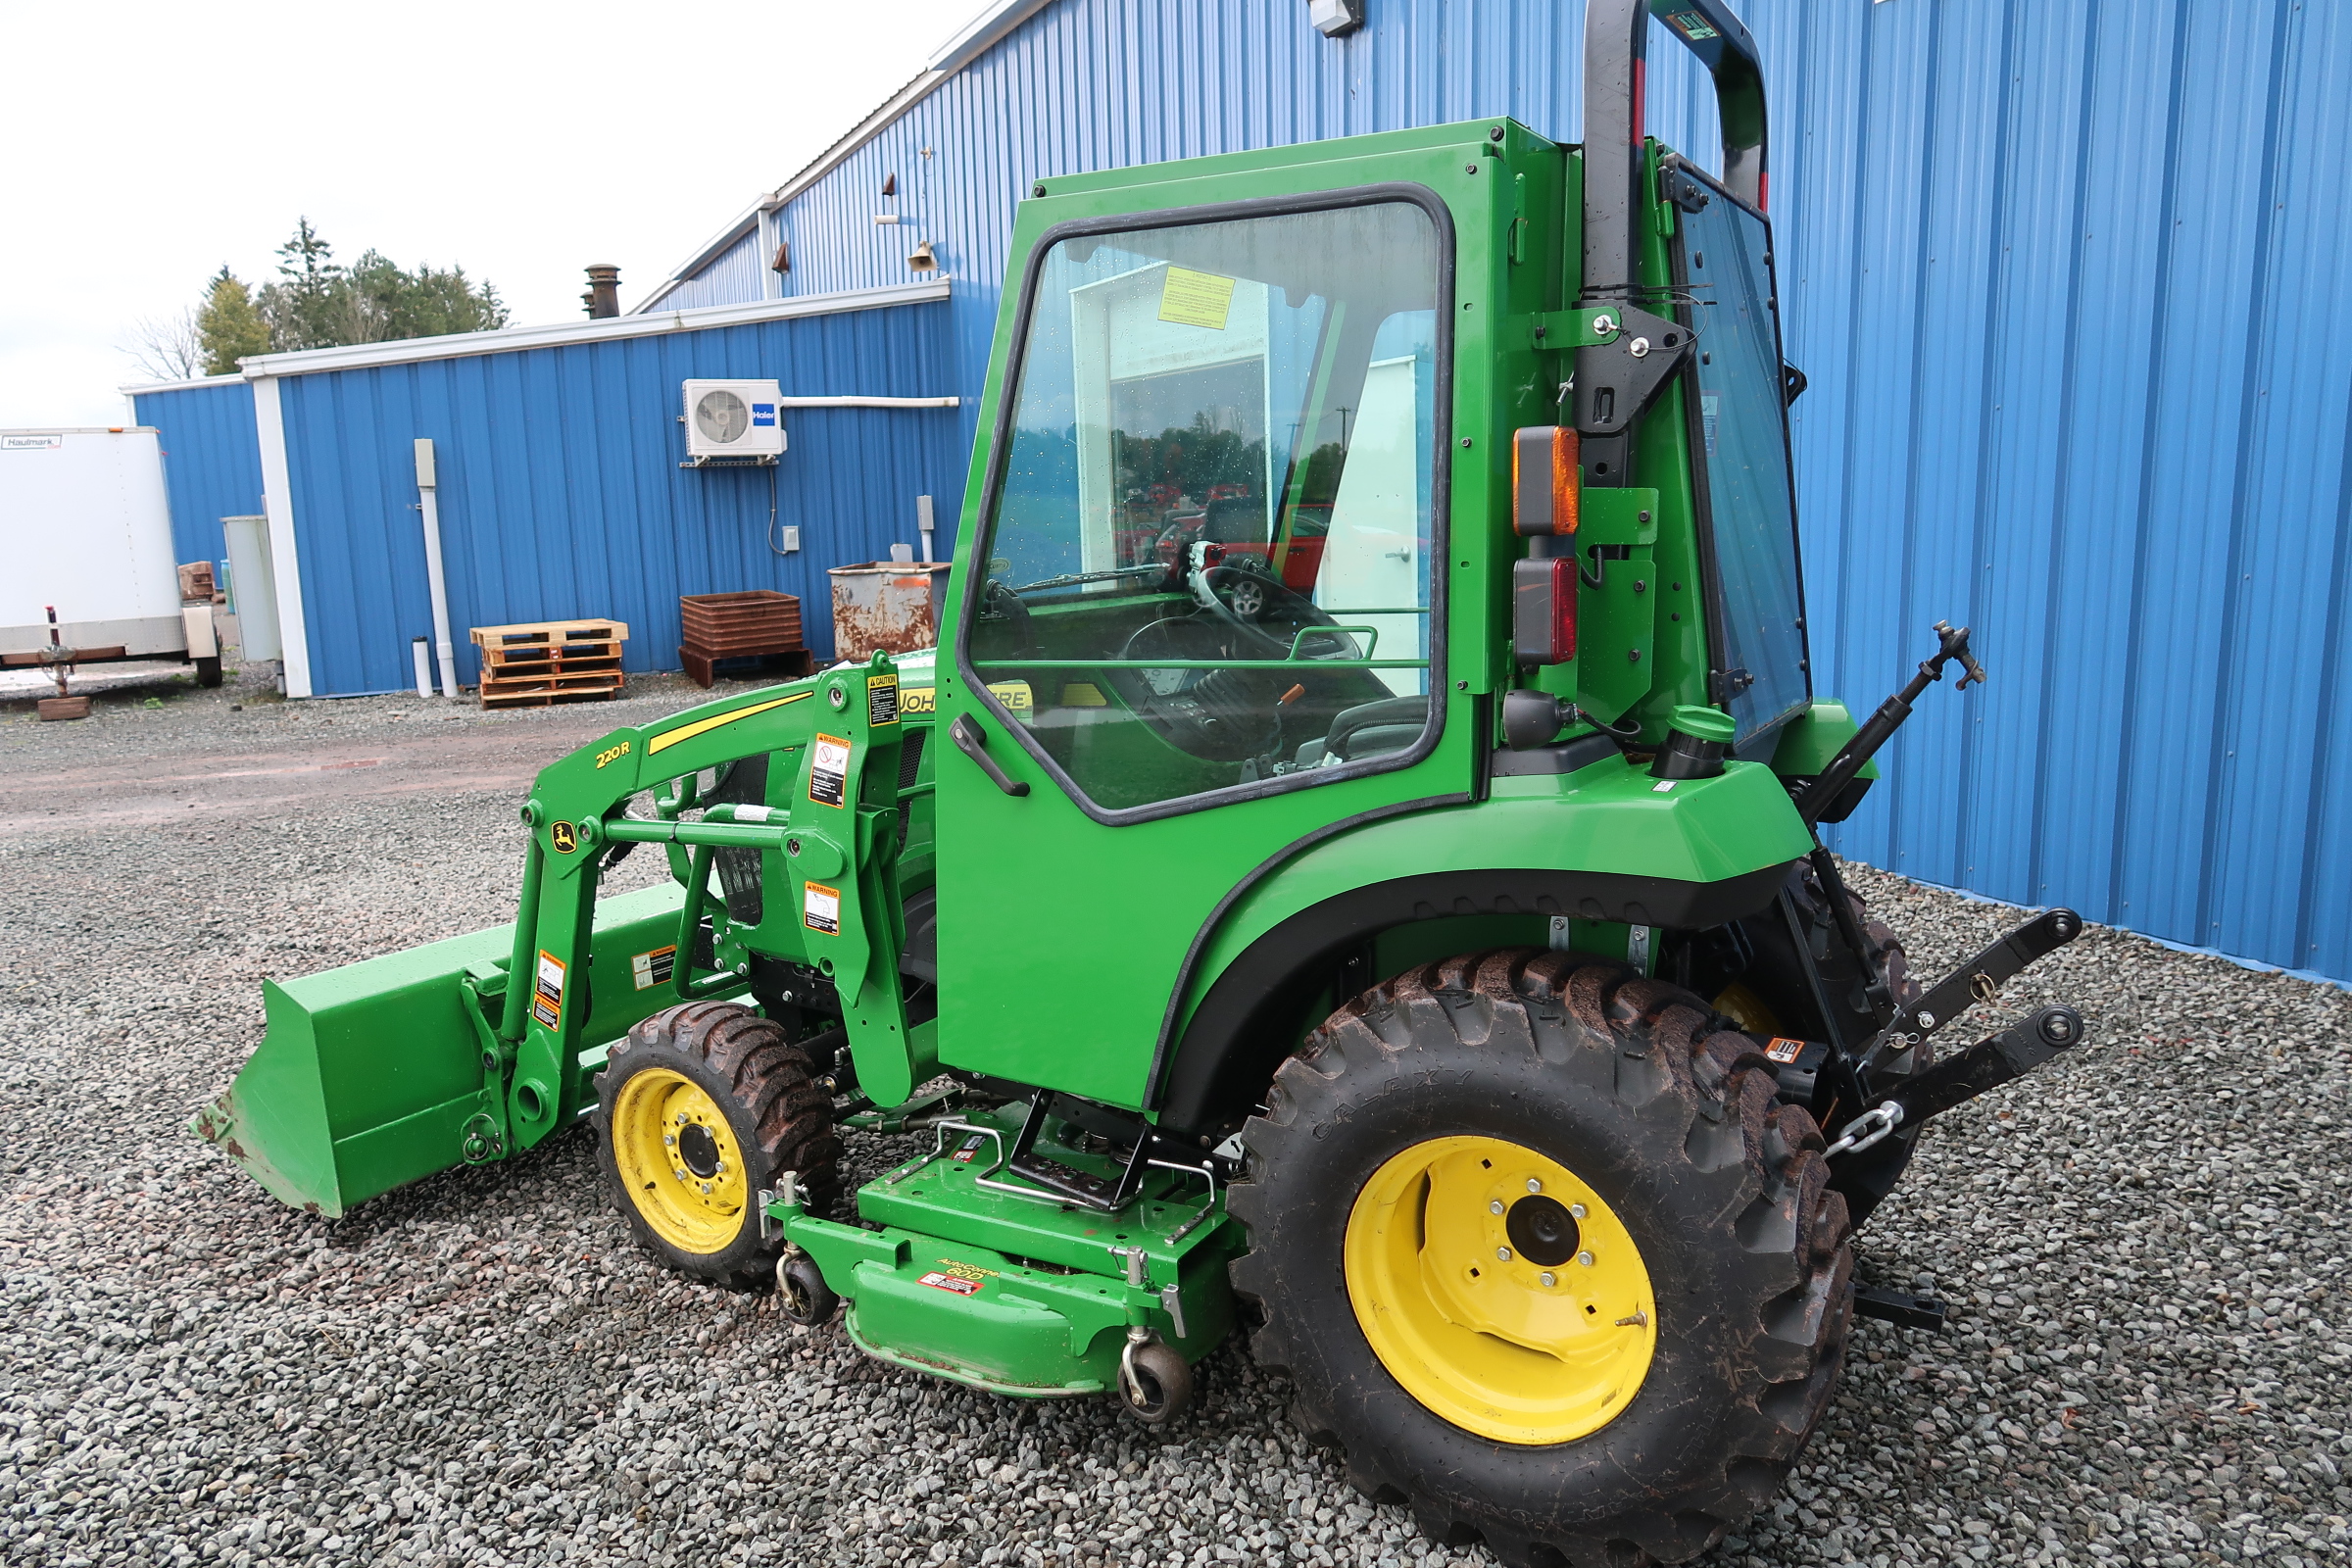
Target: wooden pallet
{"x": 596, "y": 688}
{"x": 532, "y": 663}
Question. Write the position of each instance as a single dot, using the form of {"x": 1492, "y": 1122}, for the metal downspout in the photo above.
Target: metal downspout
{"x": 428, "y": 489}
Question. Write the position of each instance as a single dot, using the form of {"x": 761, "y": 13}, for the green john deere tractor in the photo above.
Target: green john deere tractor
{"x": 1350, "y": 868}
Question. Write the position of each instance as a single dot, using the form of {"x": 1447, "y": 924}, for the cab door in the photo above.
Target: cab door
{"x": 1202, "y": 616}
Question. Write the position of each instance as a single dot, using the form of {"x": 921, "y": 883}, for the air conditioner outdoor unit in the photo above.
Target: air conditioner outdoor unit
{"x": 733, "y": 419}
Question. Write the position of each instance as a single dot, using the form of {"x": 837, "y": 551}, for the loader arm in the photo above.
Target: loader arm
{"x": 826, "y": 838}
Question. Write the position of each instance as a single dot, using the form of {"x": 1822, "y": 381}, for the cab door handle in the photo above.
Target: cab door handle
{"x": 972, "y": 742}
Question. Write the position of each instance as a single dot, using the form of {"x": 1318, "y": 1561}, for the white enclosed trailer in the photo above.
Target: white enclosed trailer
{"x": 85, "y": 530}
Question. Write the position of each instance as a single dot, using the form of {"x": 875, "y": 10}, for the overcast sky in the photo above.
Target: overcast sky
{"x": 146, "y": 144}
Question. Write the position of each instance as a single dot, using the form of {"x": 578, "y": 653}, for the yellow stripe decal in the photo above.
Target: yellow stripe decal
{"x": 687, "y": 732}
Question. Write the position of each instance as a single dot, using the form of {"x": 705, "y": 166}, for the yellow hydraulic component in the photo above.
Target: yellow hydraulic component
{"x": 679, "y": 1161}
{"x": 1501, "y": 1291}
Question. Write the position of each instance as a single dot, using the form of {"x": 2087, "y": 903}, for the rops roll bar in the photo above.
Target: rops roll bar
{"x": 1616, "y": 379}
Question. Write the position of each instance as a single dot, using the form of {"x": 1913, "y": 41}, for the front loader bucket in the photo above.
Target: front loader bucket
{"x": 368, "y": 1076}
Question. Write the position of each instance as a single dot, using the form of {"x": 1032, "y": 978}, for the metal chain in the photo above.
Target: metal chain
{"x": 1866, "y": 1130}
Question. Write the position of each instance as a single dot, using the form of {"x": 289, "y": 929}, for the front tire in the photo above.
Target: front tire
{"x": 700, "y": 1110}
{"x": 1617, "y": 1383}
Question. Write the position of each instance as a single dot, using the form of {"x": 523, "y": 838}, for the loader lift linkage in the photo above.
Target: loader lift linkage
{"x": 1351, "y": 866}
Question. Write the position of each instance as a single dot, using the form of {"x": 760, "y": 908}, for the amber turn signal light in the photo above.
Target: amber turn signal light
{"x": 1544, "y": 480}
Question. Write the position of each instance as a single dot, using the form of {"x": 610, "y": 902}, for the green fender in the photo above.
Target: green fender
{"x": 1607, "y": 842}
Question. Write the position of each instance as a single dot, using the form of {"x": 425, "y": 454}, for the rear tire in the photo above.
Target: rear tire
{"x": 1865, "y": 1179}
{"x": 208, "y": 671}
{"x": 700, "y": 1110}
{"x": 1663, "y": 1127}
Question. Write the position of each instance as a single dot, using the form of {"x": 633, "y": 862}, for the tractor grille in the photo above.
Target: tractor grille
{"x": 910, "y": 762}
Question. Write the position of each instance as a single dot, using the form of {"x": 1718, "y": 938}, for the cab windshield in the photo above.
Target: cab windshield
{"x": 1207, "y": 559}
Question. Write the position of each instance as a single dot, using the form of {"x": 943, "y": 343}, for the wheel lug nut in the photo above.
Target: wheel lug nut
{"x": 705, "y": 1189}
{"x": 1550, "y": 1280}
{"x": 1533, "y": 1186}
{"x": 1575, "y": 1211}
{"x": 1502, "y": 1255}
{"x": 1585, "y": 1258}
{"x": 672, "y": 1138}
{"x": 1495, "y": 1207}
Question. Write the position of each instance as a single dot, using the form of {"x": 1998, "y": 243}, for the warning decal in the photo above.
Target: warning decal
{"x": 950, "y": 1283}
{"x": 829, "y": 770}
{"x": 1195, "y": 299}
{"x": 821, "y": 909}
{"x": 650, "y": 969}
{"x": 881, "y": 699}
{"x": 1784, "y": 1051}
{"x": 547, "y": 991}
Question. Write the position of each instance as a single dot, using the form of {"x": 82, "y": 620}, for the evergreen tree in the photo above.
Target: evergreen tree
{"x": 320, "y": 304}
{"x": 228, "y": 326}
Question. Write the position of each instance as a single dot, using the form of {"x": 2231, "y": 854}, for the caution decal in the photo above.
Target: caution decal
{"x": 881, "y": 700}
{"x": 821, "y": 909}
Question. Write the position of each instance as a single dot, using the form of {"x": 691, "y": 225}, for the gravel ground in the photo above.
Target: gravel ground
{"x": 2145, "y": 1250}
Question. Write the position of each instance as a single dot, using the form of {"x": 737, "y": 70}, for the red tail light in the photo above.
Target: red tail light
{"x": 1544, "y": 610}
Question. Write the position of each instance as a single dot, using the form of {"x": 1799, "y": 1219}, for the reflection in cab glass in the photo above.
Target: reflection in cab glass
{"x": 1208, "y": 557}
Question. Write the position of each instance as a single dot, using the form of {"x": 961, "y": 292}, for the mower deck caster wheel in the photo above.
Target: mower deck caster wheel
{"x": 1154, "y": 1381}
{"x": 802, "y": 1293}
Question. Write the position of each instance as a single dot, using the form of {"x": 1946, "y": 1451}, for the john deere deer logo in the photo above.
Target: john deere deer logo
{"x": 564, "y": 839}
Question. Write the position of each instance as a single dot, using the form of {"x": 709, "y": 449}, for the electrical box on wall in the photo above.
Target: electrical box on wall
{"x": 733, "y": 419}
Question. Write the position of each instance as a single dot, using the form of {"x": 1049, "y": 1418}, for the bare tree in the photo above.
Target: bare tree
{"x": 168, "y": 347}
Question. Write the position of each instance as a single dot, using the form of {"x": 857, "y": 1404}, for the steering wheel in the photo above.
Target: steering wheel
{"x": 1243, "y": 598}
{"x": 1220, "y": 715}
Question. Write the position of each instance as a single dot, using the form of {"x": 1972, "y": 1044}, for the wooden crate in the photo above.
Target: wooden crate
{"x": 196, "y": 582}
{"x": 536, "y": 663}
{"x": 759, "y": 623}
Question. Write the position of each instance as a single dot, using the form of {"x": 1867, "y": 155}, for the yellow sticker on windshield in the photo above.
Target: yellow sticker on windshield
{"x": 1195, "y": 299}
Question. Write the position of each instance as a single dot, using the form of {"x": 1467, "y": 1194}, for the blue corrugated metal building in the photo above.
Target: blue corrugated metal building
{"x": 560, "y": 490}
{"x": 217, "y": 472}
{"x": 2068, "y": 279}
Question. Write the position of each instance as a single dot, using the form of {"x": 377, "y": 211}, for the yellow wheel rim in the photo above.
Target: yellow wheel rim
{"x": 1746, "y": 1009}
{"x": 678, "y": 1161}
{"x": 1501, "y": 1291}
